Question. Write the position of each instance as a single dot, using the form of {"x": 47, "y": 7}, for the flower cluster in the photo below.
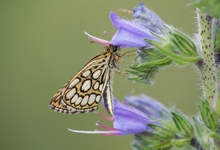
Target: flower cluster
{"x": 159, "y": 44}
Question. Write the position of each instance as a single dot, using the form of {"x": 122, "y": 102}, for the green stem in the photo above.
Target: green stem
{"x": 207, "y": 68}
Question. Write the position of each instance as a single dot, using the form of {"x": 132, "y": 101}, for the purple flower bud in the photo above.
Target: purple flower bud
{"x": 148, "y": 106}
{"x": 147, "y": 18}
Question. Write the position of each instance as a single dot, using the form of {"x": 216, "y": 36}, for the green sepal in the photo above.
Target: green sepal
{"x": 176, "y": 45}
{"x": 139, "y": 143}
{"x": 184, "y": 44}
{"x": 180, "y": 142}
{"x": 209, "y": 116}
{"x": 164, "y": 145}
{"x": 159, "y": 138}
{"x": 168, "y": 50}
{"x": 183, "y": 125}
{"x": 180, "y": 41}
{"x": 143, "y": 142}
{"x": 203, "y": 134}
{"x": 162, "y": 132}
{"x": 198, "y": 128}
{"x": 150, "y": 61}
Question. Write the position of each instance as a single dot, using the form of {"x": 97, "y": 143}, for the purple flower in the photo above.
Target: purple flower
{"x": 148, "y": 106}
{"x": 126, "y": 120}
{"x": 130, "y": 33}
{"x": 129, "y": 120}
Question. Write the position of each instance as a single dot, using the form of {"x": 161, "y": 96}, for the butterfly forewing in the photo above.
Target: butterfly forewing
{"x": 83, "y": 92}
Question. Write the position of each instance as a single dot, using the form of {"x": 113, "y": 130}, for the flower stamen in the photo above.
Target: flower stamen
{"x": 95, "y": 39}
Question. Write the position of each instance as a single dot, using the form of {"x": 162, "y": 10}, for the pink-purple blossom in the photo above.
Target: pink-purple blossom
{"x": 126, "y": 120}
{"x": 133, "y": 33}
{"x": 129, "y": 33}
{"x": 148, "y": 105}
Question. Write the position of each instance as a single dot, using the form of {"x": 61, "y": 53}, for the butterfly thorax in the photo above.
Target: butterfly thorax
{"x": 113, "y": 56}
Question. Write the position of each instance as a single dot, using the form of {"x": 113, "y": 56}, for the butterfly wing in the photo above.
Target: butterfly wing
{"x": 107, "y": 95}
{"x": 82, "y": 93}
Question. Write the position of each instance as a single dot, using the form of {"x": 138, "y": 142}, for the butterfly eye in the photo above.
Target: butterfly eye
{"x": 114, "y": 48}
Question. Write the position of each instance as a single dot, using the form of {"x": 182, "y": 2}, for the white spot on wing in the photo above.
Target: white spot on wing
{"x": 100, "y": 87}
{"x": 96, "y": 86}
{"x": 97, "y": 98}
{"x": 70, "y": 94}
{"x": 86, "y": 73}
{"x": 91, "y": 99}
{"x": 74, "y": 82}
{"x": 85, "y": 100}
{"x": 86, "y": 85}
{"x": 78, "y": 101}
{"x": 96, "y": 74}
{"x": 64, "y": 111}
{"x": 94, "y": 108}
{"x": 63, "y": 103}
{"x": 74, "y": 99}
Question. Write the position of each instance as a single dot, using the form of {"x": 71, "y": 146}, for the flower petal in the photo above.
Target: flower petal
{"x": 115, "y": 19}
{"x": 93, "y": 38}
{"x": 109, "y": 133}
{"x": 130, "y": 120}
{"x": 130, "y": 33}
{"x": 125, "y": 39}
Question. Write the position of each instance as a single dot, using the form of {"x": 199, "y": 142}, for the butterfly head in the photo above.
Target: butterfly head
{"x": 114, "y": 48}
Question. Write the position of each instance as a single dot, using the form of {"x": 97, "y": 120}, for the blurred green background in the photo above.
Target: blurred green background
{"x": 42, "y": 45}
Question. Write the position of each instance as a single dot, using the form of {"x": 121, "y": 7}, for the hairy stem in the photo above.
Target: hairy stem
{"x": 207, "y": 67}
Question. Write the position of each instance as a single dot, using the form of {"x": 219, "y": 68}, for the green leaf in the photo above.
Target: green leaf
{"x": 164, "y": 145}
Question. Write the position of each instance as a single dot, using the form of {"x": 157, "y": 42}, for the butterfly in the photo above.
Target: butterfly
{"x": 83, "y": 92}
